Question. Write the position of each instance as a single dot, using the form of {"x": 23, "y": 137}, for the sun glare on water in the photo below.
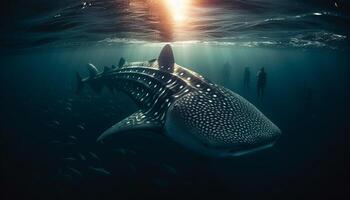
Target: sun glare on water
{"x": 177, "y": 9}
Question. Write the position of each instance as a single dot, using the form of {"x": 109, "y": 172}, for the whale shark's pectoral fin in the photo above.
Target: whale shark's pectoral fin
{"x": 166, "y": 59}
{"x": 135, "y": 122}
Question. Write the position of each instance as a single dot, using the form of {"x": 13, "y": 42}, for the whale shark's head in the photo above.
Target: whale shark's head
{"x": 219, "y": 122}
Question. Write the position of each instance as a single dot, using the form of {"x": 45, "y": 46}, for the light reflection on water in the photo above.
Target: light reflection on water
{"x": 254, "y": 23}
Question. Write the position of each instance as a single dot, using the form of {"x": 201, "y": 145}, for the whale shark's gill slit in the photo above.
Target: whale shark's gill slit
{"x": 134, "y": 89}
{"x": 157, "y": 106}
{"x": 160, "y": 75}
{"x": 146, "y": 90}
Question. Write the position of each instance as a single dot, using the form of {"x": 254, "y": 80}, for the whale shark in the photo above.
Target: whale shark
{"x": 193, "y": 111}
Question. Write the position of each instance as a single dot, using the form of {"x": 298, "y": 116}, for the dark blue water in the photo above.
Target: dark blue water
{"x": 48, "y": 133}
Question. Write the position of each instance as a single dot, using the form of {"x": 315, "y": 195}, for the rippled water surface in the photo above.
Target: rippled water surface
{"x": 242, "y": 23}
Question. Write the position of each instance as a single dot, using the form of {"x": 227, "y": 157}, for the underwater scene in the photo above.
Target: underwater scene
{"x": 176, "y": 99}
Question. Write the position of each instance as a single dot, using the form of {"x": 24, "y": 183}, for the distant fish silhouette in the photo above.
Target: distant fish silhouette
{"x": 72, "y": 137}
{"x": 75, "y": 171}
{"x": 81, "y": 127}
{"x": 180, "y": 103}
{"x": 100, "y": 170}
{"x": 94, "y": 155}
{"x": 82, "y": 157}
{"x": 55, "y": 122}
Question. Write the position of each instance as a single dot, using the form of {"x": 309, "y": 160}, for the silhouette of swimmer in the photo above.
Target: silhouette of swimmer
{"x": 261, "y": 83}
{"x": 246, "y": 80}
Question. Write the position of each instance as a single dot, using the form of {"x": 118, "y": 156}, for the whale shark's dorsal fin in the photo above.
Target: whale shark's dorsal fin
{"x": 121, "y": 62}
{"x": 135, "y": 122}
{"x": 92, "y": 70}
{"x": 166, "y": 59}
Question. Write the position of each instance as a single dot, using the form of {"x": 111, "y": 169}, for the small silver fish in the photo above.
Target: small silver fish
{"x": 94, "y": 155}
{"x": 82, "y": 157}
{"x": 100, "y": 170}
{"x": 75, "y": 171}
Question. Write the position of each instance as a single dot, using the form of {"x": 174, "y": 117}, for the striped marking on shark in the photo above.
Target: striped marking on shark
{"x": 193, "y": 111}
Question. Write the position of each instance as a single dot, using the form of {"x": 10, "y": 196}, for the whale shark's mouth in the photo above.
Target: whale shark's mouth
{"x": 249, "y": 151}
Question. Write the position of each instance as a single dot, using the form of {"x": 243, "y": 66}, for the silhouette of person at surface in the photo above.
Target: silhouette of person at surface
{"x": 246, "y": 78}
{"x": 261, "y": 82}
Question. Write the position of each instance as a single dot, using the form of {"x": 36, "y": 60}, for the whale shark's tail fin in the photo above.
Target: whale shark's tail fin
{"x": 80, "y": 83}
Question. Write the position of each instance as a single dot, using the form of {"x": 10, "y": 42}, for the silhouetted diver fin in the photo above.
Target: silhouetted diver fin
{"x": 166, "y": 59}
{"x": 135, "y": 122}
